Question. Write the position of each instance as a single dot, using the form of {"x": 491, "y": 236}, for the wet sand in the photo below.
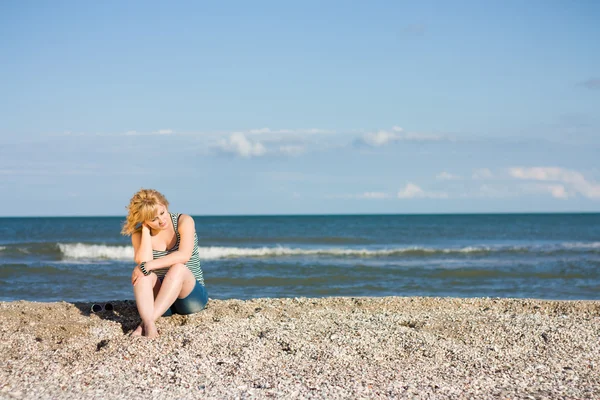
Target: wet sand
{"x": 392, "y": 347}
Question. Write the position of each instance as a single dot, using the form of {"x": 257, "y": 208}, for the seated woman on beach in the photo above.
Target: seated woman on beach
{"x": 168, "y": 278}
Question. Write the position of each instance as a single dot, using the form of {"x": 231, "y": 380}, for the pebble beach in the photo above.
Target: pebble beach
{"x": 362, "y": 347}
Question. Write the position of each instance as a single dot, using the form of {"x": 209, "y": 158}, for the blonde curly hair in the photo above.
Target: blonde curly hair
{"x": 142, "y": 207}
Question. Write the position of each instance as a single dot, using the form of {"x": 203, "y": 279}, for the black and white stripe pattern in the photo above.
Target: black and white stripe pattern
{"x": 194, "y": 262}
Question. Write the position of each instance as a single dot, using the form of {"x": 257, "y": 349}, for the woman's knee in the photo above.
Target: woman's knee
{"x": 151, "y": 278}
{"x": 178, "y": 271}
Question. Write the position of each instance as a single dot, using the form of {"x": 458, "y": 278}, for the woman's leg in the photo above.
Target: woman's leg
{"x": 178, "y": 283}
{"x": 143, "y": 291}
{"x": 155, "y": 289}
{"x": 193, "y": 303}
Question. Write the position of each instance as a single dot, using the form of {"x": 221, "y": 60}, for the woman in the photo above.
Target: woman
{"x": 168, "y": 278}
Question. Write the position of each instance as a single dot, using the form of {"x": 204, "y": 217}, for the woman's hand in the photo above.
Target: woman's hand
{"x": 136, "y": 274}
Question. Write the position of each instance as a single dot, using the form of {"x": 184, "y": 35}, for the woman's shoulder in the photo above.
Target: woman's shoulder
{"x": 184, "y": 219}
{"x": 136, "y": 236}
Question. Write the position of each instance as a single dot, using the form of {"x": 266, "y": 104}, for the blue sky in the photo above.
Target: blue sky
{"x": 300, "y": 107}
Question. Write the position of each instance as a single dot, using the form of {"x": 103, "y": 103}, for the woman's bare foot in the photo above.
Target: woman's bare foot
{"x": 150, "y": 331}
{"x": 139, "y": 331}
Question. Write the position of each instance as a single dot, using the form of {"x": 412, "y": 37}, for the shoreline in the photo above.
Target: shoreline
{"x": 332, "y": 347}
{"x": 492, "y": 298}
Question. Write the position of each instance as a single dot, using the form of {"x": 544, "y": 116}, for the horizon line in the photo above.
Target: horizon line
{"x": 323, "y": 215}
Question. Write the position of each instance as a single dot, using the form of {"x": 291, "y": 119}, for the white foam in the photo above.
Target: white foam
{"x": 582, "y": 245}
{"x": 469, "y": 249}
{"x": 92, "y": 251}
{"x": 96, "y": 251}
{"x": 2, "y": 248}
{"x": 209, "y": 253}
{"x": 235, "y": 252}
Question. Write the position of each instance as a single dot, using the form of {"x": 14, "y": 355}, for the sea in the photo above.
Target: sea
{"x": 544, "y": 256}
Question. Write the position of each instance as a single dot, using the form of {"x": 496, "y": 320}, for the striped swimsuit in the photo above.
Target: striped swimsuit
{"x": 193, "y": 263}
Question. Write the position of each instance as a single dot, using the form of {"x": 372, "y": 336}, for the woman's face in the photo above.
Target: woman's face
{"x": 161, "y": 220}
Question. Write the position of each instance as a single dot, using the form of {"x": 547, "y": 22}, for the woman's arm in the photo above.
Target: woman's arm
{"x": 187, "y": 229}
{"x": 142, "y": 245}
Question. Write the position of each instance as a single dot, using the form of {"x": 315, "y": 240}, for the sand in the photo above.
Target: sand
{"x": 390, "y": 347}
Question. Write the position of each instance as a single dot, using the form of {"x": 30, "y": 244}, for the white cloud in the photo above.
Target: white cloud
{"x": 259, "y": 142}
{"x": 540, "y": 173}
{"x": 397, "y": 134}
{"x": 446, "y": 176}
{"x": 164, "y": 132}
{"x": 238, "y": 143}
{"x": 412, "y": 191}
{"x": 287, "y": 142}
{"x": 482, "y": 173}
{"x": 557, "y": 182}
{"x": 556, "y": 190}
{"x": 565, "y": 181}
{"x": 380, "y": 138}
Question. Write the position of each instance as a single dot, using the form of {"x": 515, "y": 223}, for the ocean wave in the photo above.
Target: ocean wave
{"x": 82, "y": 251}
{"x": 209, "y": 253}
{"x": 75, "y": 251}
{"x": 582, "y": 245}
